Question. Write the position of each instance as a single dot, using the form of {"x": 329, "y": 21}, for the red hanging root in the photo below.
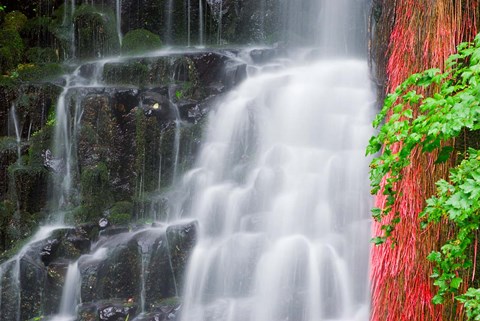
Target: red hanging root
{"x": 424, "y": 35}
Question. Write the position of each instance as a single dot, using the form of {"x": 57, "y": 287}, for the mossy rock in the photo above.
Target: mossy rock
{"x": 121, "y": 213}
{"x": 38, "y": 55}
{"x": 14, "y": 20}
{"x": 95, "y": 32}
{"x": 11, "y": 49}
{"x": 131, "y": 73}
{"x": 32, "y": 72}
{"x": 140, "y": 40}
{"x": 96, "y": 192}
{"x": 40, "y": 31}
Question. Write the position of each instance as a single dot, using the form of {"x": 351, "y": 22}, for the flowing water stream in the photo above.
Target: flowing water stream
{"x": 280, "y": 188}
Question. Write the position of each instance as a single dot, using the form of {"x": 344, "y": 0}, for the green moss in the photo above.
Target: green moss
{"x": 31, "y": 72}
{"x": 38, "y": 55}
{"x": 140, "y": 40}
{"x": 135, "y": 73}
{"x": 14, "y": 20}
{"x": 11, "y": 49}
{"x": 6, "y": 81}
{"x": 95, "y": 32}
{"x": 39, "y": 142}
{"x": 8, "y": 144}
{"x": 121, "y": 213}
{"x": 96, "y": 194}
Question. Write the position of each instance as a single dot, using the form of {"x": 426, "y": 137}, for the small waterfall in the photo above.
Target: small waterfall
{"x": 177, "y": 137}
{"x": 71, "y": 292}
{"x": 10, "y": 273}
{"x": 201, "y": 23}
{"x": 72, "y": 30}
{"x": 118, "y": 12}
{"x": 64, "y": 147}
{"x": 176, "y": 143}
{"x": 16, "y": 126}
{"x": 189, "y": 14}
{"x": 169, "y": 19}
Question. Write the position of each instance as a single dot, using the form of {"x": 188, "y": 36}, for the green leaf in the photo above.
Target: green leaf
{"x": 455, "y": 283}
{"x": 444, "y": 154}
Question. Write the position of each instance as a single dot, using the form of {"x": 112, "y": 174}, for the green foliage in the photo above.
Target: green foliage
{"x": 471, "y": 301}
{"x": 140, "y": 40}
{"x": 121, "y": 213}
{"x": 459, "y": 201}
{"x": 32, "y": 72}
{"x": 453, "y": 107}
{"x": 38, "y": 55}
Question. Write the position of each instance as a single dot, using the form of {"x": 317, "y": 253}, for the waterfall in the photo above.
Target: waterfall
{"x": 200, "y": 23}
{"x": 11, "y": 271}
{"x": 280, "y": 187}
{"x": 71, "y": 292}
{"x": 169, "y": 21}
{"x": 118, "y": 11}
{"x": 64, "y": 146}
{"x": 16, "y": 126}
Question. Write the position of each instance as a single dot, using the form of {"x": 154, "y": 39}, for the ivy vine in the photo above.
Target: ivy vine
{"x": 411, "y": 120}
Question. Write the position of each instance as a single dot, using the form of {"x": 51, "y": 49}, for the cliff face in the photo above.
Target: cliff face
{"x": 411, "y": 36}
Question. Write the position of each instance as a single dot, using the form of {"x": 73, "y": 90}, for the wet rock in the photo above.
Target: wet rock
{"x": 107, "y": 311}
{"x": 263, "y": 56}
{"x": 113, "y": 230}
{"x": 33, "y": 276}
{"x": 160, "y": 280}
{"x": 54, "y": 286}
{"x": 103, "y": 223}
{"x": 87, "y": 312}
{"x": 163, "y": 312}
{"x": 47, "y": 254}
{"x": 64, "y": 244}
{"x": 116, "y": 312}
{"x": 111, "y": 275}
{"x": 181, "y": 241}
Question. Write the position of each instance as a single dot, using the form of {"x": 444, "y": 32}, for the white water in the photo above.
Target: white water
{"x": 118, "y": 12}
{"x": 169, "y": 15}
{"x": 71, "y": 293}
{"x": 16, "y": 126}
{"x": 280, "y": 190}
{"x": 67, "y": 127}
{"x": 201, "y": 23}
{"x": 10, "y": 271}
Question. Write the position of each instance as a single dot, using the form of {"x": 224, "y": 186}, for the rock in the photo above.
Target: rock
{"x": 47, "y": 254}
{"x": 113, "y": 230}
{"x": 103, "y": 223}
{"x": 107, "y": 311}
{"x": 65, "y": 244}
{"x": 116, "y": 312}
{"x": 54, "y": 286}
{"x": 181, "y": 241}
{"x": 87, "y": 312}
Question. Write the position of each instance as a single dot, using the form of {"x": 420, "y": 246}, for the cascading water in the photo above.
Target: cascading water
{"x": 280, "y": 189}
{"x": 70, "y": 294}
{"x": 64, "y": 148}
{"x": 118, "y": 13}
{"x": 13, "y": 120}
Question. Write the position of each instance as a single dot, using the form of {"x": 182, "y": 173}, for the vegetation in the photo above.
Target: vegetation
{"x": 418, "y": 122}
{"x": 140, "y": 40}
